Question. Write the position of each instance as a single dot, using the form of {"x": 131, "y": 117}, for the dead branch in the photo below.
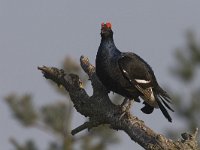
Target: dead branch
{"x": 100, "y": 110}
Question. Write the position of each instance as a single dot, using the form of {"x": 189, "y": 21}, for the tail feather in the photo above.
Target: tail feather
{"x": 164, "y": 94}
{"x": 162, "y": 98}
{"x": 164, "y": 111}
{"x": 167, "y": 98}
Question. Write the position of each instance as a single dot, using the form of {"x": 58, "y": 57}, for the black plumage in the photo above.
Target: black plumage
{"x": 129, "y": 75}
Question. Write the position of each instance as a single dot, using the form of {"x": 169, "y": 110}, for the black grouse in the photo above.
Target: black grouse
{"x": 129, "y": 75}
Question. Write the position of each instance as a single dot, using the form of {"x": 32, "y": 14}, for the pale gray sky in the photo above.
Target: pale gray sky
{"x": 43, "y": 32}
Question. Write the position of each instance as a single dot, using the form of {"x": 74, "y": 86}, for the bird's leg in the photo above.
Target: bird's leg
{"x": 124, "y": 102}
{"x": 126, "y": 105}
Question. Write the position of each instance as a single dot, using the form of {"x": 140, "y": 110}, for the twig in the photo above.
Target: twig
{"x": 87, "y": 125}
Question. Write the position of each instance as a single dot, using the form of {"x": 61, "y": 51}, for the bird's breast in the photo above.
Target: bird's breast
{"x": 110, "y": 74}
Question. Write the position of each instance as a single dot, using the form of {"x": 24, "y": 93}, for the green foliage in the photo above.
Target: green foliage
{"x": 54, "y": 146}
{"x": 22, "y": 108}
{"x": 56, "y": 119}
{"x": 188, "y": 59}
{"x": 54, "y": 116}
{"x": 29, "y": 145}
{"x": 186, "y": 68}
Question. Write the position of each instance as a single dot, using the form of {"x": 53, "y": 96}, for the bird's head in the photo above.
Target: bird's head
{"x": 106, "y": 30}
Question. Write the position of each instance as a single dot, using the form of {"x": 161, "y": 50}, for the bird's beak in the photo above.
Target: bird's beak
{"x": 103, "y": 30}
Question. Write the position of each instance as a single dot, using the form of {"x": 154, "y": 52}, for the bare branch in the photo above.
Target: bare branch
{"x": 101, "y": 110}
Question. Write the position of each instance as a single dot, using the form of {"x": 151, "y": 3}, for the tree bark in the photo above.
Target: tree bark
{"x": 100, "y": 110}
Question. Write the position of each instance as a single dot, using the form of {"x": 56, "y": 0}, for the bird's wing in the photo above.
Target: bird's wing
{"x": 141, "y": 76}
{"x": 136, "y": 72}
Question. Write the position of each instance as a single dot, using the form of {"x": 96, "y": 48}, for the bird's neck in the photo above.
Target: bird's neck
{"x": 108, "y": 46}
{"x": 108, "y": 38}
